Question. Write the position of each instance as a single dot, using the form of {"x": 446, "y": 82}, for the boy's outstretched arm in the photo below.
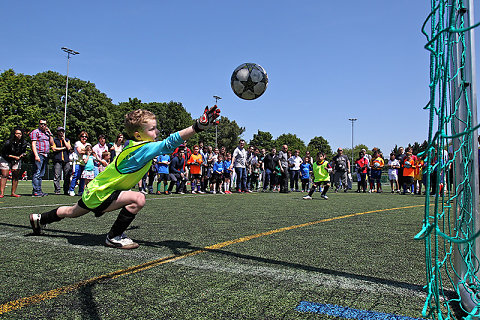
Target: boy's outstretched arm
{"x": 207, "y": 120}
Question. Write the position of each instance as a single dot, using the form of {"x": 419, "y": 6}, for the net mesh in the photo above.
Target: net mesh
{"x": 450, "y": 228}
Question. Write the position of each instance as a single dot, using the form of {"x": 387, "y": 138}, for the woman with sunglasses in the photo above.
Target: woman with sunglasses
{"x": 79, "y": 164}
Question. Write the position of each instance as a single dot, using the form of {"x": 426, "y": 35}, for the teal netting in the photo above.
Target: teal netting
{"x": 450, "y": 226}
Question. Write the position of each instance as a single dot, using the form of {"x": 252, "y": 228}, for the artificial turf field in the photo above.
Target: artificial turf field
{"x": 239, "y": 256}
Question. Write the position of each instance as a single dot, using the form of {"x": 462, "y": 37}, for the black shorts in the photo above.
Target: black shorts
{"x": 163, "y": 177}
{"x": 104, "y": 205}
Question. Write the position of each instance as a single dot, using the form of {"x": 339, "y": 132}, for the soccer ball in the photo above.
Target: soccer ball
{"x": 249, "y": 81}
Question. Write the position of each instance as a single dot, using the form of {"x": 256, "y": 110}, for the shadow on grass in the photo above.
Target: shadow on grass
{"x": 179, "y": 248}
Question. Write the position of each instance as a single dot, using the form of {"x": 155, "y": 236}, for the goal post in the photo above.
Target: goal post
{"x": 465, "y": 146}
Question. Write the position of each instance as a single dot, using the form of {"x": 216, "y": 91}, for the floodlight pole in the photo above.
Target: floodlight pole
{"x": 69, "y": 52}
{"x": 353, "y": 120}
{"x": 216, "y": 127}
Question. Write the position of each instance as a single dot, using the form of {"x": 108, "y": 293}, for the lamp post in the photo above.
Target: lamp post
{"x": 216, "y": 127}
{"x": 353, "y": 120}
{"x": 69, "y": 52}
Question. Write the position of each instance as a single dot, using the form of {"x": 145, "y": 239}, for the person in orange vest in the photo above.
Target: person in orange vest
{"x": 195, "y": 164}
{"x": 376, "y": 170}
{"x": 408, "y": 166}
{"x": 418, "y": 177}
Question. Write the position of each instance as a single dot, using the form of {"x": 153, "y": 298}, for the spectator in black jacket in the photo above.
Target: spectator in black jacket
{"x": 61, "y": 151}
{"x": 13, "y": 151}
{"x": 177, "y": 173}
{"x": 269, "y": 167}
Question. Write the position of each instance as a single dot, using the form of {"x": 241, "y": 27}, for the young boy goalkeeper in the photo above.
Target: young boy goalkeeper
{"x": 110, "y": 189}
{"x": 321, "y": 173}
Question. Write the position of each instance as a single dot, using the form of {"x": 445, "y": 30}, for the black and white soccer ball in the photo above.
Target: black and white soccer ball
{"x": 249, "y": 81}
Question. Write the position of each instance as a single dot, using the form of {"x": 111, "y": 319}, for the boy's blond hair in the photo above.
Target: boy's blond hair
{"x": 135, "y": 119}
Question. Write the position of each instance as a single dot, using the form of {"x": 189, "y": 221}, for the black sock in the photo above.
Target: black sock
{"x": 49, "y": 217}
{"x": 312, "y": 190}
{"x": 325, "y": 189}
{"x": 124, "y": 219}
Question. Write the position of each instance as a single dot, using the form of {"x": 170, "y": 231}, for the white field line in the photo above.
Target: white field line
{"x": 300, "y": 277}
{"x": 60, "y": 242}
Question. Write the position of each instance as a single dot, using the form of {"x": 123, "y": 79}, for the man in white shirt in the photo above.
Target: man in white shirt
{"x": 239, "y": 159}
{"x": 294, "y": 163}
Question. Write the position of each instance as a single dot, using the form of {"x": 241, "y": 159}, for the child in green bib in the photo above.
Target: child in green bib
{"x": 110, "y": 190}
{"x": 321, "y": 176}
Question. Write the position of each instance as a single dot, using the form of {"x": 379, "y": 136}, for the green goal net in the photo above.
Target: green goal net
{"x": 451, "y": 223}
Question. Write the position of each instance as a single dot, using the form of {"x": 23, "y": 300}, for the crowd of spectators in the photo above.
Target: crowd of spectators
{"x": 203, "y": 168}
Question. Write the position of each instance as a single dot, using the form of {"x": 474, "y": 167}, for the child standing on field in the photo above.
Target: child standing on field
{"x": 104, "y": 162}
{"x": 362, "y": 167}
{"x": 227, "y": 172}
{"x": 305, "y": 171}
{"x": 110, "y": 190}
{"x": 393, "y": 166}
{"x": 408, "y": 172}
{"x": 418, "y": 177}
{"x": 376, "y": 171}
{"x": 217, "y": 175}
{"x": 89, "y": 172}
{"x": 195, "y": 163}
{"x": 163, "y": 162}
{"x": 321, "y": 176}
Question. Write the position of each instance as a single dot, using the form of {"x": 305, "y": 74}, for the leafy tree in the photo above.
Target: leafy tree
{"x": 262, "y": 139}
{"x": 356, "y": 151}
{"x": 319, "y": 144}
{"x": 171, "y": 116}
{"x": 87, "y": 109}
{"x": 16, "y": 104}
{"x": 292, "y": 141}
{"x": 229, "y": 133}
{"x": 418, "y": 148}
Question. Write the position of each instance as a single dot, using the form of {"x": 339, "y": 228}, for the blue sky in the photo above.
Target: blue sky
{"x": 326, "y": 61}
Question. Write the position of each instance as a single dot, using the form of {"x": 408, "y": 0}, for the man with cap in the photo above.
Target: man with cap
{"x": 61, "y": 150}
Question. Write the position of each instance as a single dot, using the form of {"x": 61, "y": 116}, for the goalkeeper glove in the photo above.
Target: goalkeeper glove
{"x": 208, "y": 119}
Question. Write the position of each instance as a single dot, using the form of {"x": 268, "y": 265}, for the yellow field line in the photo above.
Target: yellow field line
{"x": 47, "y": 295}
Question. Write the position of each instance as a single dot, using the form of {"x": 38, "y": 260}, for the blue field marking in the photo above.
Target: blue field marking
{"x": 348, "y": 313}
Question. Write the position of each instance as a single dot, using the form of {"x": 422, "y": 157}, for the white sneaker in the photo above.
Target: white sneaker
{"x": 213, "y": 192}
{"x": 324, "y": 196}
{"x": 222, "y": 192}
{"x": 307, "y": 197}
{"x": 35, "y": 223}
{"x": 71, "y": 193}
{"x": 121, "y": 242}
{"x": 194, "y": 192}
{"x": 201, "y": 192}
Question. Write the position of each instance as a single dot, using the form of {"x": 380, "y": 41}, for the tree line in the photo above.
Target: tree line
{"x": 24, "y": 99}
